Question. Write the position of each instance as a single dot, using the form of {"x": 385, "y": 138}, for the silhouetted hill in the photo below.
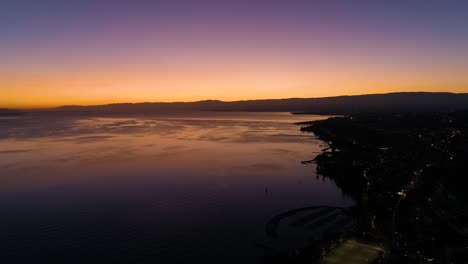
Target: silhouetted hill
{"x": 392, "y": 102}
{"x": 5, "y": 112}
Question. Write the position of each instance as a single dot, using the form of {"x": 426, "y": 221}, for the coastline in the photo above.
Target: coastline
{"x": 390, "y": 164}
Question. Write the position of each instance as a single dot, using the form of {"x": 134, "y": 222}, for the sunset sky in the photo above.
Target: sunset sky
{"x": 94, "y": 51}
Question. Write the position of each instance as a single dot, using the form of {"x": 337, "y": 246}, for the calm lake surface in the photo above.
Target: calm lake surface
{"x": 170, "y": 188}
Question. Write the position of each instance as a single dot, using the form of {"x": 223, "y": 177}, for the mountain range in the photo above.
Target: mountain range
{"x": 391, "y": 102}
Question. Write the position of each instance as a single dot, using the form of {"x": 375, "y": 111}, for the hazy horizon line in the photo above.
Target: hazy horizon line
{"x": 217, "y": 100}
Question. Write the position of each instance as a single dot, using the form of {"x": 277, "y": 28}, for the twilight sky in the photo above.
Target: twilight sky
{"x": 56, "y": 52}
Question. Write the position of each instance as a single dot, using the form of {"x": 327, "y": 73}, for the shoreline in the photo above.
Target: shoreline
{"x": 388, "y": 163}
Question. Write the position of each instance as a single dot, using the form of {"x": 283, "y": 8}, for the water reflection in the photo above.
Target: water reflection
{"x": 169, "y": 187}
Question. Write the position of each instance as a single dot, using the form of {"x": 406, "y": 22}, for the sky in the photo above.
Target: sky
{"x": 55, "y": 52}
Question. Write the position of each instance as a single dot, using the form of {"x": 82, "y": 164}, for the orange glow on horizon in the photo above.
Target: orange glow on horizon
{"x": 90, "y": 53}
{"x": 243, "y": 74}
{"x": 80, "y": 87}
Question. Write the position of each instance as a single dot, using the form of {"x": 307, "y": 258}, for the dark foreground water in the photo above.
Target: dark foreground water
{"x": 173, "y": 188}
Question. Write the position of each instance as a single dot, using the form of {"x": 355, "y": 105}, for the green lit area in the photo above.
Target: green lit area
{"x": 352, "y": 252}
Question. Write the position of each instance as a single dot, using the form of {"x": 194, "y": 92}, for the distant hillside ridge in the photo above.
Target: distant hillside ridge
{"x": 392, "y": 102}
{"x": 7, "y": 112}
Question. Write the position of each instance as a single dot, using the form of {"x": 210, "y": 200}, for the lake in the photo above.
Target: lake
{"x": 166, "y": 188}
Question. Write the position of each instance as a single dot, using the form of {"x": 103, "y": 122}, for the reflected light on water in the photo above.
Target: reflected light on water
{"x": 66, "y": 179}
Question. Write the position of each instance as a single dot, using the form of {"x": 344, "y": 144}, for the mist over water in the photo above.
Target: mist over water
{"x": 167, "y": 187}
